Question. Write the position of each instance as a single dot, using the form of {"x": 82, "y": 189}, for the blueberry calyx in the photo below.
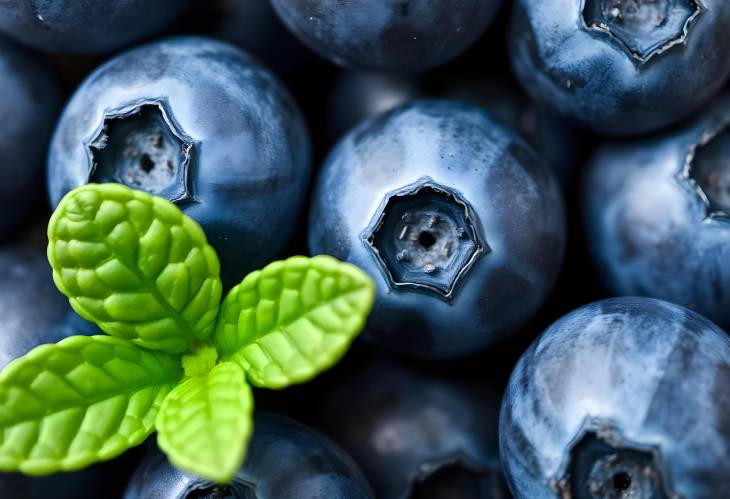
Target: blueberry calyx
{"x": 456, "y": 479}
{"x": 603, "y": 465}
{"x": 708, "y": 172}
{"x": 425, "y": 236}
{"x": 141, "y": 147}
{"x": 237, "y": 489}
{"x": 643, "y": 28}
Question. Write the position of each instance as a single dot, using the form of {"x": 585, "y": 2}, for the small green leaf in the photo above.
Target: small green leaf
{"x": 135, "y": 265}
{"x": 205, "y": 423}
{"x": 295, "y": 318}
{"x": 85, "y": 399}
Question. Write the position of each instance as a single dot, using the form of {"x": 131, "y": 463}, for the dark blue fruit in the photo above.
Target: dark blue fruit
{"x": 85, "y": 26}
{"x": 416, "y": 436}
{"x": 658, "y": 214}
{"x": 621, "y": 67}
{"x": 202, "y": 124}
{"x": 31, "y": 100}
{"x": 455, "y": 218}
{"x": 34, "y": 312}
{"x": 624, "y": 398}
{"x": 285, "y": 460}
{"x": 403, "y": 35}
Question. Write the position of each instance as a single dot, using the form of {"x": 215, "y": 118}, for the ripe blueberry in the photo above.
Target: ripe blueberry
{"x": 619, "y": 399}
{"x": 31, "y": 100}
{"x": 285, "y": 460}
{"x": 202, "y": 124}
{"x": 88, "y": 27}
{"x": 455, "y": 218}
{"x": 621, "y": 67}
{"x": 658, "y": 214}
{"x": 417, "y": 436}
{"x": 400, "y": 35}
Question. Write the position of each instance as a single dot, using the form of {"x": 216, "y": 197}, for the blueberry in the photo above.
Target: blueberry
{"x": 417, "y": 436}
{"x": 31, "y": 100}
{"x": 201, "y": 123}
{"x": 359, "y": 95}
{"x": 85, "y": 26}
{"x": 400, "y": 35}
{"x": 621, "y": 66}
{"x": 658, "y": 214}
{"x": 550, "y": 136}
{"x": 34, "y": 312}
{"x": 285, "y": 460}
{"x": 455, "y": 218}
{"x": 622, "y": 398}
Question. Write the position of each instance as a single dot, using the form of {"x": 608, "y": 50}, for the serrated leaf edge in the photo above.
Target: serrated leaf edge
{"x": 188, "y": 332}
{"x": 29, "y": 466}
{"x": 366, "y": 285}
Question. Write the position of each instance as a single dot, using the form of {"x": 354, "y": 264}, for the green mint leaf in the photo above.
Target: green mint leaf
{"x": 205, "y": 423}
{"x": 85, "y": 399}
{"x": 295, "y": 318}
{"x": 135, "y": 265}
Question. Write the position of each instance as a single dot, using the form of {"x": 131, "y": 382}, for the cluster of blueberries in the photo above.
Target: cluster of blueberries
{"x": 452, "y": 173}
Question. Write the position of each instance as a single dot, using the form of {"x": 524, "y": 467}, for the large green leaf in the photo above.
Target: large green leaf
{"x": 205, "y": 423}
{"x": 293, "y": 319}
{"x": 83, "y": 400}
{"x": 135, "y": 265}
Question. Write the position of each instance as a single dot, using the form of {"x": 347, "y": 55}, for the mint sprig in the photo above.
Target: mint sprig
{"x": 144, "y": 273}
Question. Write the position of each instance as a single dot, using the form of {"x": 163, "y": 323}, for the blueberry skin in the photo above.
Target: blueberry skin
{"x": 416, "y": 435}
{"x": 515, "y": 205}
{"x": 285, "y": 460}
{"x": 31, "y": 102}
{"x": 250, "y": 145}
{"x": 644, "y": 371}
{"x": 34, "y": 312}
{"x": 587, "y": 75}
{"x": 651, "y": 232}
{"x": 408, "y": 35}
{"x": 549, "y": 135}
{"x": 85, "y": 26}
